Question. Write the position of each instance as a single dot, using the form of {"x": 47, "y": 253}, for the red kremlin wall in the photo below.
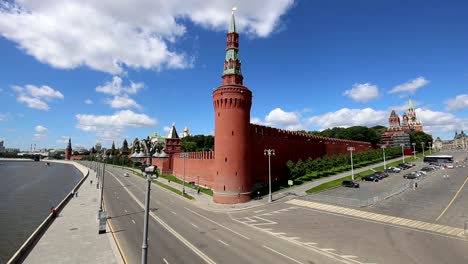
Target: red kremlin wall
{"x": 288, "y": 145}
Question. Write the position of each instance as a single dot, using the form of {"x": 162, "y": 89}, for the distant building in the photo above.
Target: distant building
{"x": 68, "y": 150}
{"x": 398, "y": 133}
{"x": 410, "y": 121}
{"x": 2, "y": 147}
{"x": 186, "y": 132}
{"x": 460, "y": 141}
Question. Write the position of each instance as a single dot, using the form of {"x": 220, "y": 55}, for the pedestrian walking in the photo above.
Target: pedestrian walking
{"x": 53, "y": 212}
{"x": 416, "y": 184}
{"x": 91, "y": 182}
{"x": 76, "y": 194}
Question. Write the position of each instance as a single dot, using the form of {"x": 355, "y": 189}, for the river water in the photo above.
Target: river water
{"x": 27, "y": 192}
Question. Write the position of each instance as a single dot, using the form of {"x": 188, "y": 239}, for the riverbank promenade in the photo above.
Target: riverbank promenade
{"x": 73, "y": 236}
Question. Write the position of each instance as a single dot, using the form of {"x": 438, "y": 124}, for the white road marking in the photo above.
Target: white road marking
{"x": 258, "y": 211}
{"x": 393, "y": 221}
{"x": 348, "y": 256}
{"x": 125, "y": 210}
{"x": 218, "y": 224}
{"x": 133, "y": 221}
{"x": 328, "y": 249}
{"x": 170, "y": 229}
{"x": 222, "y": 242}
{"x": 279, "y": 253}
{"x": 195, "y": 225}
{"x": 165, "y": 261}
{"x": 173, "y": 212}
{"x": 117, "y": 197}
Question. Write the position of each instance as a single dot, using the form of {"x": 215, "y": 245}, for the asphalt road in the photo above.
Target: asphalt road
{"x": 208, "y": 237}
{"x": 180, "y": 232}
{"x": 438, "y": 199}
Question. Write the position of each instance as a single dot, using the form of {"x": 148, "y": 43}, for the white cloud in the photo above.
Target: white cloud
{"x": 116, "y": 88}
{"x": 280, "y": 118}
{"x": 88, "y": 101}
{"x": 110, "y": 35}
{"x": 439, "y": 122}
{"x": 36, "y": 97}
{"x": 63, "y": 140}
{"x": 121, "y": 93}
{"x": 41, "y": 133}
{"x": 346, "y": 117}
{"x": 410, "y": 86}
{"x": 362, "y": 92}
{"x": 256, "y": 120}
{"x": 40, "y": 129}
{"x": 457, "y": 103}
{"x": 111, "y": 126}
{"x": 122, "y": 102}
{"x": 3, "y": 117}
{"x": 166, "y": 129}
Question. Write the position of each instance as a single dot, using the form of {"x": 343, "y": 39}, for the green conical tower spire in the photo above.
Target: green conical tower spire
{"x": 232, "y": 62}
{"x": 232, "y": 27}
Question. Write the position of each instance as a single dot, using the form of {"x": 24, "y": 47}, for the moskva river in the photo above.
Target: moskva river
{"x": 28, "y": 190}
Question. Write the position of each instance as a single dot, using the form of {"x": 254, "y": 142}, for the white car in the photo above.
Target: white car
{"x": 449, "y": 166}
{"x": 126, "y": 175}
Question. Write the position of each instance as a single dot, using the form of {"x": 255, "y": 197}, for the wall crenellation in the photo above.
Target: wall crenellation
{"x": 277, "y": 132}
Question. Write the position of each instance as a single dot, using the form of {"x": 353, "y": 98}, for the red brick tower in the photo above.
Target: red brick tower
{"x": 68, "y": 150}
{"x": 232, "y": 102}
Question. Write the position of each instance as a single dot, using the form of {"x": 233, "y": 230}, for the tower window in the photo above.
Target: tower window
{"x": 233, "y": 132}
{"x": 225, "y": 159}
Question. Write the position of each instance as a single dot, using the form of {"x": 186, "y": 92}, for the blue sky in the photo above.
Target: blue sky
{"x": 106, "y": 70}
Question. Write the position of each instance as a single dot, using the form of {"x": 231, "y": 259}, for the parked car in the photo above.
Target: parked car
{"x": 427, "y": 169}
{"x": 351, "y": 184}
{"x": 411, "y": 175}
{"x": 371, "y": 177}
{"x": 421, "y": 172}
{"x": 126, "y": 175}
{"x": 381, "y": 174}
{"x": 393, "y": 170}
{"x": 403, "y": 166}
{"x": 448, "y": 166}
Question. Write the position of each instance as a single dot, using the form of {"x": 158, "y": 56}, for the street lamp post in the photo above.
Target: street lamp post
{"x": 430, "y": 148}
{"x": 184, "y": 156}
{"x": 103, "y": 172}
{"x": 350, "y": 149}
{"x": 269, "y": 152}
{"x": 403, "y": 151}
{"x": 149, "y": 149}
{"x": 384, "y": 164}
{"x": 101, "y": 213}
{"x": 422, "y": 145}
{"x": 414, "y": 150}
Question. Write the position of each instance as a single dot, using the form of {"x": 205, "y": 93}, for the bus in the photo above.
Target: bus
{"x": 439, "y": 158}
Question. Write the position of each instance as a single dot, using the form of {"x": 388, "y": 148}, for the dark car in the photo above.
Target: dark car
{"x": 411, "y": 176}
{"x": 381, "y": 174}
{"x": 371, "y": 177}
{"x": 350, "y": 184}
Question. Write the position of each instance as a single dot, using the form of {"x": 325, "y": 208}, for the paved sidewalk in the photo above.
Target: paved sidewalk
{"x": 73, "y": 236}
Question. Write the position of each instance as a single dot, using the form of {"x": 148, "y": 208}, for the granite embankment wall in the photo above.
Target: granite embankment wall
{"x": 22, "y": 252}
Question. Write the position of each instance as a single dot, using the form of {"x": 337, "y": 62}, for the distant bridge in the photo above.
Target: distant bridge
{"x": 42, "y": 154}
